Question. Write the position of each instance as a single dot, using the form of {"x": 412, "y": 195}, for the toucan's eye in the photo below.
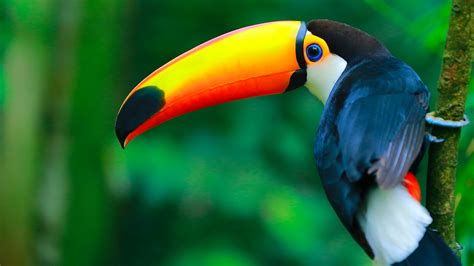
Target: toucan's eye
{"x": 314, "y": 52}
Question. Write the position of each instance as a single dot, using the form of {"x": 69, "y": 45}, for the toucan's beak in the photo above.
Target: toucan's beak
{"x": 254, "y": 61}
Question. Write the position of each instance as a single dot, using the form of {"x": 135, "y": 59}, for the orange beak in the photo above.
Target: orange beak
{"x": 258, "y": 60}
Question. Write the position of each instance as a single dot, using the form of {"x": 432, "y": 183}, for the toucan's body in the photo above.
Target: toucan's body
{"x": 370, "y": 134}
{"x": 358, "y": 128}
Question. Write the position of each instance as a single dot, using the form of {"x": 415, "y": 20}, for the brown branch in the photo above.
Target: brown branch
{"x": 453, "y": 85}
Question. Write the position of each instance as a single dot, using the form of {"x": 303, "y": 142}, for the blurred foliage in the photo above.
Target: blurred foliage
{"x": 229, "y": 185}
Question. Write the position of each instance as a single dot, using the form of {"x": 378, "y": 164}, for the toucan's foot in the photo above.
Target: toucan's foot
{"x": 437, "y": 121}
{"x": 433, "y": 139}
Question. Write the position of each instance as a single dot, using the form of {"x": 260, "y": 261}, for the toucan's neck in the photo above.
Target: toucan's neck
{"x": 347, "y": 42}
{"x": 322, "y": 77}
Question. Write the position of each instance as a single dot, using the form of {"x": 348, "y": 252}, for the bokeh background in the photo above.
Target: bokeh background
{"x": 230, "y": 185}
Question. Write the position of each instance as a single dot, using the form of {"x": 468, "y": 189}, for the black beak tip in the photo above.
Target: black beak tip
{"x": 120, "y": 132}
{"x": 122, "y": 126}
{"x": 122, "y": 145}
{"x": 138, "y": 108}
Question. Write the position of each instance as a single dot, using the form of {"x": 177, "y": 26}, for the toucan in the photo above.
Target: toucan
{"x": 369, "y": 138}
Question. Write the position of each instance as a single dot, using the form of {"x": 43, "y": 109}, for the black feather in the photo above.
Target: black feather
{"x": 346, "y": 41}
{"x": 370, "y": 133}
{"x": 431, "y": 251}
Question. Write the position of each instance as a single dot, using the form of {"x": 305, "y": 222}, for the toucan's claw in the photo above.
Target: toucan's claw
{"x": 437, "y": 121}
{"x": 433, "y": 139}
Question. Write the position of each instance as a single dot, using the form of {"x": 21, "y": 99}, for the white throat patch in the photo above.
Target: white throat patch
{"x": 322, "y": 76}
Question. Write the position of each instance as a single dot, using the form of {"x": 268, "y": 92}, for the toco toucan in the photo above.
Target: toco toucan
{"x": 370, "y": 134}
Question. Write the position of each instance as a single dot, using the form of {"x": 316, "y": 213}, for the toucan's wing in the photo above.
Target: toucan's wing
{"x": 373, "y": 122}
{"x": 376, "y": 121}
{"x": 380, "y": 134}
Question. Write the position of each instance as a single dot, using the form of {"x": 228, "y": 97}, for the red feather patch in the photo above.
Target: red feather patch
{"x": 411, "y": 184}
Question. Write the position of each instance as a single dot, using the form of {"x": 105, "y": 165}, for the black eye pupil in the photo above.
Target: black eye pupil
{"x": 314, "y": 52}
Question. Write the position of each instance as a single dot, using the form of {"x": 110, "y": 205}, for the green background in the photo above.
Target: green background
{"x": 234, "y": 184}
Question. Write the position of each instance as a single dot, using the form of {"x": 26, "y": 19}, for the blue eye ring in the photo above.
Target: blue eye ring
{"x": 314, "y": 52}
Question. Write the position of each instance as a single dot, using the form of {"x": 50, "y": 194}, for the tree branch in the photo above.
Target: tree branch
{"x": 452, "y": 88}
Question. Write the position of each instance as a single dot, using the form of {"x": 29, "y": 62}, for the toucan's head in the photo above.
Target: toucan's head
{"x": 264, "y": 59}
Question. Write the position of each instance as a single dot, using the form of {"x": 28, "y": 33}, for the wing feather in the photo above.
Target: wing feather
{"x": 371, "y": 132}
